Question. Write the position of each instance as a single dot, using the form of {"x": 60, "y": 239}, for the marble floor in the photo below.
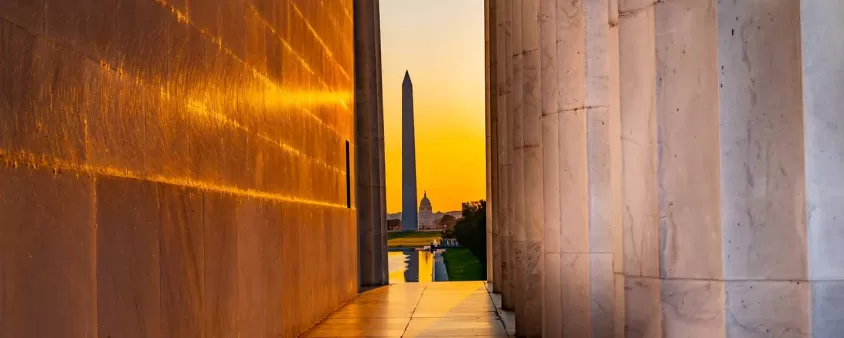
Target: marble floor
{"x": 438, "y": 309}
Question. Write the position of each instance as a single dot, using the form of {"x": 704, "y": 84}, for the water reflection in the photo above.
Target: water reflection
{"x": 410, "y": 266}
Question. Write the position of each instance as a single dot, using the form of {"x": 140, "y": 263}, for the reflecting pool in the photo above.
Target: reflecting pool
{"x": 409, "y": 265}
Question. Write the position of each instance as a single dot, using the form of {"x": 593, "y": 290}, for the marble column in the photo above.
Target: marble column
{"x": 602, "y": 148}
{"x": 585, "y": 183}
{"x": 671, "y": 169}
{"x": 762, "y": 178}
{"x": 491, "y": 152}
{"x": 494, "y": 143}
{"x": 382, "y": 266}
{"x": 823, "y": 117}
{"x": 366, "y": 162}
{"x": 640, "y": 189}
{"x": 551, "y": 272}
{"x": 532, "y": 172}
{"x": 517, "y": 183}
{"x": 615, "y": 160}
{"x": 503, "y": 66}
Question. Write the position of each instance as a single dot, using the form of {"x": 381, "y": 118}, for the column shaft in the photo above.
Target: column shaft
{"x": 615, "y": 186}
{"x": 725, "y": 232}
{"x": 640, "y": 190}
{"x": 602, "y": 191}
{"x": 490, "y": 148}
{"x": 823, "y": 83}
{"x": 379, "y": 186}
{"x": 532, "y": 172}
{"x": 573, "y": 180}
{"x": 495, "y": 206}
{"x": 365, "y": 155}
{"x": 761, "y": 129}
{"x": 503, "y": 76}
{"x": 670, "y": 127}
{"x": 587, "y": 147}
{"x": 517, "y": 184}
{"x": 551, "y": 271}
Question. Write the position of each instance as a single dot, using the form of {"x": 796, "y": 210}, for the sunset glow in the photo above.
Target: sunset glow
{"x": 441, "y": 44}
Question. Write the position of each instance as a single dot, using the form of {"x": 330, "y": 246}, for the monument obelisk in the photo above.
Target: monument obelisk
{"x": 409, "y": 218}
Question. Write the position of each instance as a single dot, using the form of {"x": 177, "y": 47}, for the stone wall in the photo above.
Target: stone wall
{"x": 174, "y": 168}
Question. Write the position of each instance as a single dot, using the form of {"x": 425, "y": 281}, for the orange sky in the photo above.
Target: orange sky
{"x": 441, "y": 44}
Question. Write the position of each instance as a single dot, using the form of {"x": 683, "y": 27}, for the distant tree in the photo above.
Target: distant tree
{"x": 393, "y": 224}
{"x": 470, "y": 230}
{"x": 447, "y": 221}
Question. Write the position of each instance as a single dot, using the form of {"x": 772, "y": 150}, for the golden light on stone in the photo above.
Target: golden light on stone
{"x": 183, "y": 151}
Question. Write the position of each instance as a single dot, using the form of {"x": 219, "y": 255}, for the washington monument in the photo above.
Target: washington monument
{"x": 409, "y": 218}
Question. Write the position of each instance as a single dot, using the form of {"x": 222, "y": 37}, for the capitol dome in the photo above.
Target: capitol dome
{"x": 426, "y": 213}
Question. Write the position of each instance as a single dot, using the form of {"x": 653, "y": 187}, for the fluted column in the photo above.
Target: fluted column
{"x": 503, "y": 67}
{"x": 487, "y": 148}
{"x": 823, "y": 104}
{"x": 615, "y": 172}
{"x": 584, "y": 148}
{"x": 532, "y": 159}
{"x": 671, "y": 169}
{"x": 498, "y": 207}
{"x": 602, "y": 148}
{"x": 366, "y": 160}
{"x": 640, "y": 189}
{"x": 762, "y": 178}
{"x": 551, "y": 272}
{"x": 517, "y": 183}
{"x": 380, "y": 186}
{"x": 493, "y": 257}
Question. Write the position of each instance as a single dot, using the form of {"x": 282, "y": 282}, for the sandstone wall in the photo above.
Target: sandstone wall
{"x": 174, "y": 168}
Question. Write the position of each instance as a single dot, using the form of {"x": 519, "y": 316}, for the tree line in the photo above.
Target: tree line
{"x": 470, "y": 231}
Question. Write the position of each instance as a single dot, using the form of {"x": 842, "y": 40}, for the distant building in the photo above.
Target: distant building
{"x": 426, "y": 213}
{"x": 456, "y": 214}
{"x": 394, "y": 216}
{"x": 393, "y": 224}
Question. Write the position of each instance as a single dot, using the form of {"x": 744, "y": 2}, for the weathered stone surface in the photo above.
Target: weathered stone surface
{"x": 48, "y": 254}
{"x": 221, "y": 278}
{"x": 260, "y": 281}
{"x": 25, "y": 13}
{"x": 823, "y": 78}
{"x": 574, "y": 188}
{"x": 182, "y": 261}
{"x": 575, "y": 287}
{"x": 761, "y": 128}
{"x": 117, "y": 115}
{"x": 144, "y": 29}
{"x": 599, "y": 164}
{"x": 689, "y": 180}
{"x": 767, "y": 308}
{"x": 552, "y": 295}
{"x": 692, "y": 308}
{"x": 90, "y": 26}
{"x": 827, "y": 298}
{"x": 637, "y": 93}
{"x": 643, "y": 312}
{"x": 144, "y": 97}
{"x": 128, "y": 258}
{"x": 602, "y": 295}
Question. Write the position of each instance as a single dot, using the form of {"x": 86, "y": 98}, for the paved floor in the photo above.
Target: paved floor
{"x": 443, "y": 309}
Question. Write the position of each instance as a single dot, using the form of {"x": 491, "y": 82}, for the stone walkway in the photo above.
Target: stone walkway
{"x": 445, "y": 309}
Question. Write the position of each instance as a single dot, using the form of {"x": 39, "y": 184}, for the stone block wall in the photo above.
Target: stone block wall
{"x": 175, "y": 168}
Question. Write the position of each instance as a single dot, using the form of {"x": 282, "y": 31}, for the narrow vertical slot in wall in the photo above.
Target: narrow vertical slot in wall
{"x": 348, "y": 180}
